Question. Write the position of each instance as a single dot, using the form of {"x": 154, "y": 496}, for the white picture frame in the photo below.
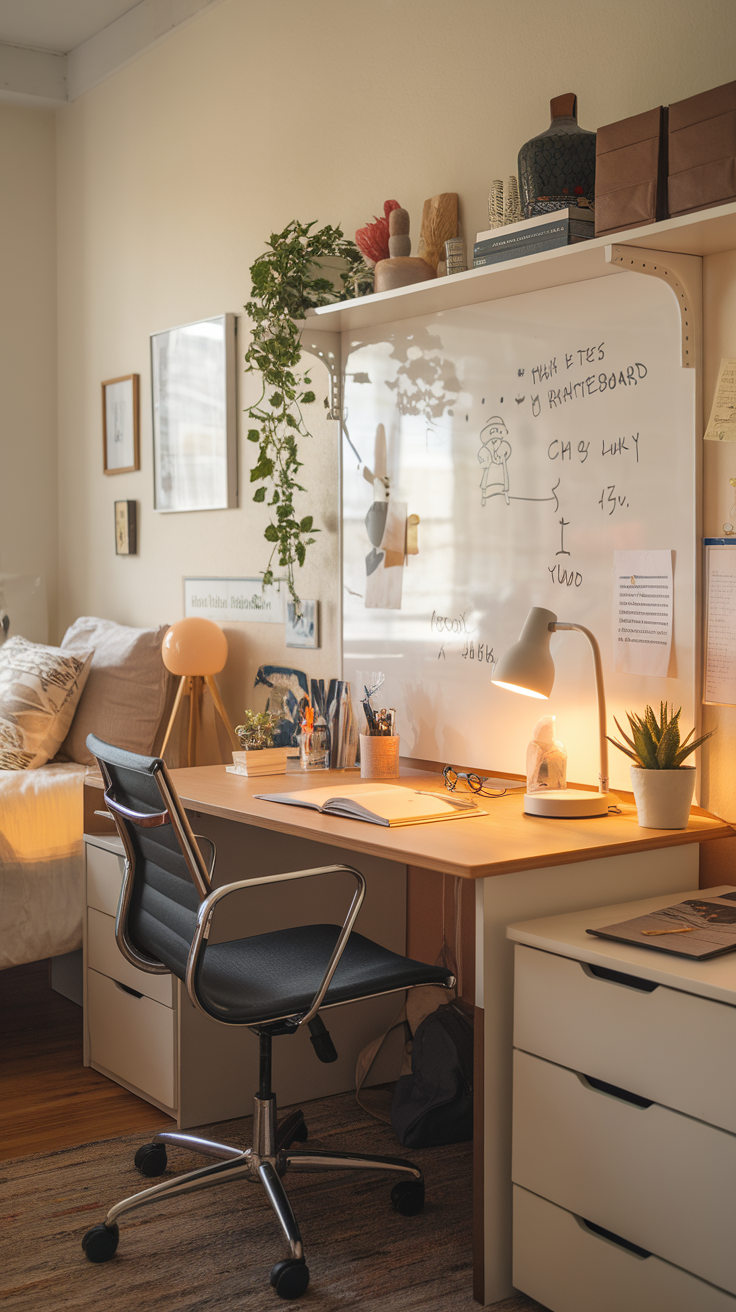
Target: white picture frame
{"x": 302, "y": 630}
{"x": 194, "y": 416}
{"x": 233, "y": 601}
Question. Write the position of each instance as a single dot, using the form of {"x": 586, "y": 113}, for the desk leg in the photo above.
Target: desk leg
{"x": 500, "y": 901}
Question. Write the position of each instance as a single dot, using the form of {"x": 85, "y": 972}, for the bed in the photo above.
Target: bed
{"x": 125, "y": 694}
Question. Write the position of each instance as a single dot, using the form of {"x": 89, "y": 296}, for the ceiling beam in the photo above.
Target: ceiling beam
{"x": 32, "y": 77}
{"x": 50, "y": 80}
{"x": 130, "y": 36}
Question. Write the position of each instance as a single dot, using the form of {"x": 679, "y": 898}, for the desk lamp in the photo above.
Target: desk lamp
{"x": 195, "y": 649}
{"x": 528, "y": 668}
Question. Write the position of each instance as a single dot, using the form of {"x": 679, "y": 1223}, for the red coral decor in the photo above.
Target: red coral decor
{"x": 372, "y": 240}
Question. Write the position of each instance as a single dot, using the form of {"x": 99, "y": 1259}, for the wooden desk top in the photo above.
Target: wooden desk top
{"x": 502, "y": 841}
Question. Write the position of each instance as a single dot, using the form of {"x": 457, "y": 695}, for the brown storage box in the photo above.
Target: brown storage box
{"x": 702, "y": 150}
{"x": 631, "y": 172}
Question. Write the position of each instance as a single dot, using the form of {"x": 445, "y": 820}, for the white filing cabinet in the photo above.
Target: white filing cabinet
{"x": 624, "y": 1129}
{"x": 142, "y": 1031}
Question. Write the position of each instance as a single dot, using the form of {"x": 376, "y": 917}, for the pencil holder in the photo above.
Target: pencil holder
{"x": 379, "y": 757}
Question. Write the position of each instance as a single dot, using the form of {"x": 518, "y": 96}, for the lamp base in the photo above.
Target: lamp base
{"x": 571, "y": 803}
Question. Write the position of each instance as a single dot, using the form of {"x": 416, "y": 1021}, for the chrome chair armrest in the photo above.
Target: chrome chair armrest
{"x": 210, "y": 903}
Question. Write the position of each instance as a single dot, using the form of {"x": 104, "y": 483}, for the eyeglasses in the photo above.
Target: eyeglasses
{"x": 475, "y": 782}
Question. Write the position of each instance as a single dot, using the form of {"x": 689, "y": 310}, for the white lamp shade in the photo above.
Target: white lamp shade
{"x": 527, "y": 667}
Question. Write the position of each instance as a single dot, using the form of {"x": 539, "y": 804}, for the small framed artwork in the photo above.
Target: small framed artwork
{"x": 120, "y": 440}
{"x": 194, "y": 416}
{"x": 302, "y": 630}
{"x": 126, "y": 528}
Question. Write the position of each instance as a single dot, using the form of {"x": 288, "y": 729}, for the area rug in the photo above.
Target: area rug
{"x": 214, "y": 1249}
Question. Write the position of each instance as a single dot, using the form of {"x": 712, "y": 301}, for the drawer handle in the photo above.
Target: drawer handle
{"x": 585, "y": 1224}
{"x": 618, "y": 977}
{"x": 125, "y": 988}
{"x": 604, "y": 972}
{"x": 635, "y": 1099}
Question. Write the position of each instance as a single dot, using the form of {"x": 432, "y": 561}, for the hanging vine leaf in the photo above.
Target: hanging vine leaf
{"x": 285, "y": 282}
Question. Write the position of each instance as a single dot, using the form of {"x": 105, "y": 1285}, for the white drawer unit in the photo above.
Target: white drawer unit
{"x": 142, "y": 1030}
{"x": 624, "y": 1123}
{"x": 551, "y": 1243}
{"x": 133, "y": 1038}
{"x": 104, "y": 956}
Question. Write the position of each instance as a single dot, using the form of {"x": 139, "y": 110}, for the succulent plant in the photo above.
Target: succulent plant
{"x": 655, "y": 743}
{"x": 257, "y": 731}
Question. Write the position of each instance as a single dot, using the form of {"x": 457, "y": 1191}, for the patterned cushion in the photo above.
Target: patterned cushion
{"x": 39, "y": 690}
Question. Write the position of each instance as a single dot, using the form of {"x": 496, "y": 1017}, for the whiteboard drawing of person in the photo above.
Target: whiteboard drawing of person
{"x": 494, "y": 453}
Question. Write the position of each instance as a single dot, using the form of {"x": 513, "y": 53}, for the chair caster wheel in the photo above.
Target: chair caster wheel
{"x": 301, "y": 1133}
{"x": 408, "y": 1197}
{"x": 100, "y": 1242}
{"x": 290, "y": 1277}
{"x": 151, "y": 1159}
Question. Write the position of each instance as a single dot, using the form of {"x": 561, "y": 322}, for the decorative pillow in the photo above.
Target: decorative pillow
{"x": 125, "y": 696}
{"x": 39, "y": 690}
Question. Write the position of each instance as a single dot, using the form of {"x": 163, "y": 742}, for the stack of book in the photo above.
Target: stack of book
{"x": 257, "y": 762}
{"x": 528, "y": 237}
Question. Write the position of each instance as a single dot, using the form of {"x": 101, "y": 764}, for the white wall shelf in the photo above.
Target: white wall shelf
{"x": 706, "y": 233}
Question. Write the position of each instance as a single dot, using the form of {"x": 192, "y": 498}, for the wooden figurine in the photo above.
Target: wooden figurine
{"x": 439, "y": 223}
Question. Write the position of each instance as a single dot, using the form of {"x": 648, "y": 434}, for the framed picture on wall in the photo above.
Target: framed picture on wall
{"x": 126, "y": 528}
{"x": 120, "y": 440}
{"x": 302, "y": 630}
{"x": 194, "y": 419}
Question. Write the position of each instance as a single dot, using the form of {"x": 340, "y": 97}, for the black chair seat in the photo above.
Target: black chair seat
{"x": 240, "y": 980}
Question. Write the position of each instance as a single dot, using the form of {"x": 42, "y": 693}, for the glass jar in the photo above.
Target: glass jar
{"x": 314, "y": 747}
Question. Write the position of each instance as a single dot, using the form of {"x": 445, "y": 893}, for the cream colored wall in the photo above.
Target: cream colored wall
{"x": 173, "y": 173}
{"x": 28, "y": 485}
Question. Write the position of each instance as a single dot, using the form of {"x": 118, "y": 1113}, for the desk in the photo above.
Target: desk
{"x": 523, "y": 866}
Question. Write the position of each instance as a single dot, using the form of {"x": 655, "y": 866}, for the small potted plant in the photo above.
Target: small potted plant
{"x": 259, "y": 756}
{"x": 663, "y": 787}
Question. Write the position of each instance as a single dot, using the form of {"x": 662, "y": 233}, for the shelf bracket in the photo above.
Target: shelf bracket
{"x": 326, "y": 347}
{"x": 683, "y": 274}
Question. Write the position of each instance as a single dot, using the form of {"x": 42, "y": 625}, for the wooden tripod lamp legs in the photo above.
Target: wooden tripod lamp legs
{"x": 192, "y": 686}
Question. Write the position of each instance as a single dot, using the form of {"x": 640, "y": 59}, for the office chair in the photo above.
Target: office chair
{"x": 271, "y": 983}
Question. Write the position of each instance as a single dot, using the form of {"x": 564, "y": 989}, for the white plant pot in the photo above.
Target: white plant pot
{"x": 331, "y": 267}
{"x": 663, "y": 797}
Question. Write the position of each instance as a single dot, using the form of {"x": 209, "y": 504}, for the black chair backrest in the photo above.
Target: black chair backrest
{"x": 166, "y": 877}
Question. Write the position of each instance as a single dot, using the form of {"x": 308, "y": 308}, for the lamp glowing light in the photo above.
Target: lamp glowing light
{"x": 528, "y": 668}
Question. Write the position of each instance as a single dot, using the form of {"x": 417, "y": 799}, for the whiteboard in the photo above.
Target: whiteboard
{"x": 580, "y": 393}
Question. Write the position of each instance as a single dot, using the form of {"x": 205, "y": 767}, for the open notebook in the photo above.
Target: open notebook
{"x": 383, "y": 804}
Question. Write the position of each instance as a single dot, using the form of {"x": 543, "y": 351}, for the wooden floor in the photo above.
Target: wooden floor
{"x": 48, "y": 1099}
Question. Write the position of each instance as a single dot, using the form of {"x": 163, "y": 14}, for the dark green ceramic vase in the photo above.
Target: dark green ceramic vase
{"x": 557, "y": 168}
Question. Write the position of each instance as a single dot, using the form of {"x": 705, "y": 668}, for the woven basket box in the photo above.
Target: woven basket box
{"x": 631, "y": 172}
{"x": 702, "y": 150}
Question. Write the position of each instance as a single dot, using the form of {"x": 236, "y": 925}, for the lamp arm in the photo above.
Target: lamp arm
{"x": 580, "y": 628}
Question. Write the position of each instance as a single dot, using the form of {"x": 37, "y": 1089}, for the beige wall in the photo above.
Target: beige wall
{"x": 28, "y": 484}
{"x": 173, "y": 173}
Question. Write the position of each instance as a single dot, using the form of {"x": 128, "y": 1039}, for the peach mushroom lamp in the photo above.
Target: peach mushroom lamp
{"x": 196, "y": 650}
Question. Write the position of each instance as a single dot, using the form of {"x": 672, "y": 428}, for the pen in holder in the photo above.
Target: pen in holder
{"x": 379, "y": 747}
{"x": 379, "y": 756}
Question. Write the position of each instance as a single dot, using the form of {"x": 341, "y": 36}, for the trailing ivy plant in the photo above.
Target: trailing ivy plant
{"x": 287, "y": 281}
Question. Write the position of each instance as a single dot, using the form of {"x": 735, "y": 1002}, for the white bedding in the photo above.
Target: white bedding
{"x": 41, "y": 862}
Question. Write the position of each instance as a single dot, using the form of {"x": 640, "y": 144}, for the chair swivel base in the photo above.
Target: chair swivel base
{"x": 266, "y": 1162}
